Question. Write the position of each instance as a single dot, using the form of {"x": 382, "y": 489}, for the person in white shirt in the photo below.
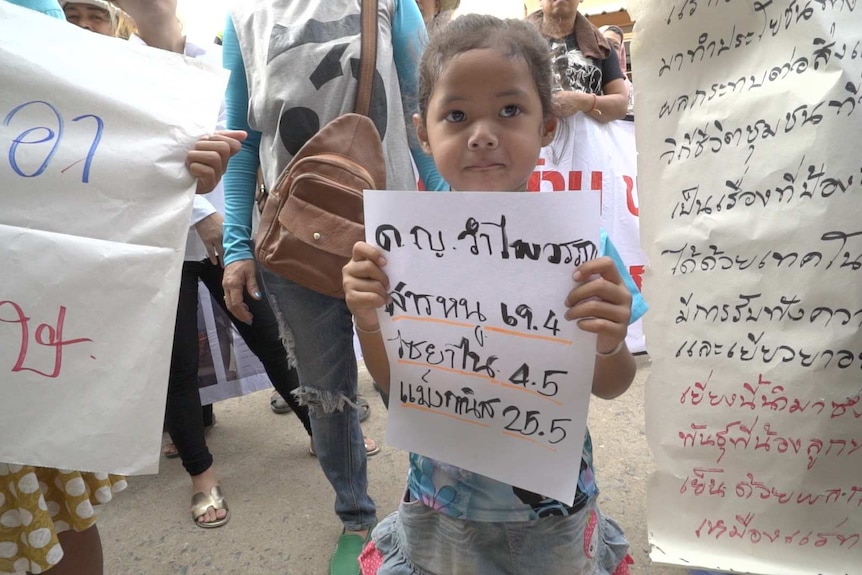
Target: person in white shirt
{"x": 158, "y": 27}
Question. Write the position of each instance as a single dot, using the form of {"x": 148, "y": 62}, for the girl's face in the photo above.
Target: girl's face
{"x": 484, "y": 125}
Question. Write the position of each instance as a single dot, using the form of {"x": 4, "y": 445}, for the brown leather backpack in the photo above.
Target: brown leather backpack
{"x": 314, "y": 214}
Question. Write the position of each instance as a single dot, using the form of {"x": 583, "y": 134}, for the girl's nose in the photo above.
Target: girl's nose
{"x": 483, "y": 137}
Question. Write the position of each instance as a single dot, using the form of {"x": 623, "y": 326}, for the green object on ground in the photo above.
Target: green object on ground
{"x": 345, "y": 560}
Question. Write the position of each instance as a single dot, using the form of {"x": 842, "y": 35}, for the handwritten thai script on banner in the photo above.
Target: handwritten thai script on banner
{"x": 748, "y": 114}
{"x": 486, "y": 373}
{"x": 96, "y": 201}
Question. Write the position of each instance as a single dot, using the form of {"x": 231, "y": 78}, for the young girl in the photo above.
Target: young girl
{"x": 485, "y": 112}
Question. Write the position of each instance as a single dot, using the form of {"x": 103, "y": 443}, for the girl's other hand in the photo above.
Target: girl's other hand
{"x": 207, "y": 161}
{"x": 601, "y": 303}
{"x": 366, "y": 286}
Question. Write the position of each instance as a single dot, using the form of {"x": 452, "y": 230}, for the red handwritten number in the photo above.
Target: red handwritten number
{"x": 45, "y": 335}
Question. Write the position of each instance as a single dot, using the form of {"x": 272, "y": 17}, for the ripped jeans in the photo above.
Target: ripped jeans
{"x": 318, "y": 330}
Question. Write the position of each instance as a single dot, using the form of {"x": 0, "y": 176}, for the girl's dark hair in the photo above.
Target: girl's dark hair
{"x": 515, "y": 38}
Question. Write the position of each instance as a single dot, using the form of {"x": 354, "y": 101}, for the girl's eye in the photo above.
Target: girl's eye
{"x": 456, "y": 116}
{"x": 511, "y": 110}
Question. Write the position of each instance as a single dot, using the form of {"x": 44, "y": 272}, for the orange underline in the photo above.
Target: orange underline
{"x": 490, "y": 379}
{"x": 473, "y": 326}
{"x": 434, "y": 320}
{"x": 435, "y": 412}
{"x": 533, "y": 441}
{"x": 530, "y": 335}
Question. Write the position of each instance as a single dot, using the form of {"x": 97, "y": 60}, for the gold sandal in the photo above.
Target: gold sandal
{"x": 201, "y": 502}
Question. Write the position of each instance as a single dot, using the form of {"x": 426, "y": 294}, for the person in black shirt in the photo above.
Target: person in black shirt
{"x": 587, "y": 70}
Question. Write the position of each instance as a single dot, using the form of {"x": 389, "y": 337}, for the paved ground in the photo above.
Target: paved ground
{"x": 281, "y": 503}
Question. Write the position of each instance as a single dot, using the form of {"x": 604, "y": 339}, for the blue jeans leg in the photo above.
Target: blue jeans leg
{"x": 319, "y": 331}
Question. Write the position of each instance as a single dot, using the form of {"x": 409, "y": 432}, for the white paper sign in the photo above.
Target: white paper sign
{"x": 486, "y": 373}
{"x": 748, "y": 114}
{"x": 95, "y": 209}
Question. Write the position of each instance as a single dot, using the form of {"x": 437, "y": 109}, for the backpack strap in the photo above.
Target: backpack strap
{"x": 367, "y": 57}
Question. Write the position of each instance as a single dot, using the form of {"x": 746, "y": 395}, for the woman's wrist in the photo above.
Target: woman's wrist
{"x": 593, "y": 106}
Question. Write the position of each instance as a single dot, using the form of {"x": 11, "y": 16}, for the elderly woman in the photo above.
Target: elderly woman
{"x": 587, "y": 68}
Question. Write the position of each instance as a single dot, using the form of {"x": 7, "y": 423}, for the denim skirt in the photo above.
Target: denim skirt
{"x": 418, "y": 540}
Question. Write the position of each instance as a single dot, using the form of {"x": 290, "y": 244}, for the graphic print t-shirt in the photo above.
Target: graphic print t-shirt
{"x": 587, "y": 74}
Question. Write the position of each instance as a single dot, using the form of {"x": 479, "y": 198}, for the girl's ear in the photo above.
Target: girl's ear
{"x": 550, "y": 129}
{"x": 421, "y": 133}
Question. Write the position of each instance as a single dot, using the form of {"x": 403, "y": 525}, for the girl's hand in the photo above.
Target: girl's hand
{"x": 601, "y": 304}
{"x": 366, "y": 286}
{"x": 207, "y": 161}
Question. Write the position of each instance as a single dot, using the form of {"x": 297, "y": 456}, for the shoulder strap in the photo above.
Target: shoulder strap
{"x": 367, "y": 58}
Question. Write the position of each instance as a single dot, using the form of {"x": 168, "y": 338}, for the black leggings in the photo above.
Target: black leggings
{"x": 183, "y": 417}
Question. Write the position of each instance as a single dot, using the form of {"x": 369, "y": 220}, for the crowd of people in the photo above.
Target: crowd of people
{"x": 476, "y": 89}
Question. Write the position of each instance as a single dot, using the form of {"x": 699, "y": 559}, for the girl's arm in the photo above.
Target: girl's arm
{"x": 613, "y": 374}
{"x": 606, "y": 306}
{"x": 366, "y": 288}
{"x": 602, "y": 304}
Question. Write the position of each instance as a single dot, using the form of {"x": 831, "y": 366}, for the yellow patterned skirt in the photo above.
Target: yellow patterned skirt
{"x": 36, "y": 503}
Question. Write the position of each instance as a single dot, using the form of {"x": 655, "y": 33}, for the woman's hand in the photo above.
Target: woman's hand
{"x": 366, "y": 286}
{"x": 601, "y": 303}
{"x": 240, "y": 276}
{"x": 568, "y": 103}
{"x": 210, "y": 230}
{"x": 207, "y": 161}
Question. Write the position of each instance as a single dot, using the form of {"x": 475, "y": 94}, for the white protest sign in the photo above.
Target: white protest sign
{"x": 747, "y": 116}
{"x": 96, "y": 201}
{"x": 486, "y": 373}
{"x": 588, "y": 155}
